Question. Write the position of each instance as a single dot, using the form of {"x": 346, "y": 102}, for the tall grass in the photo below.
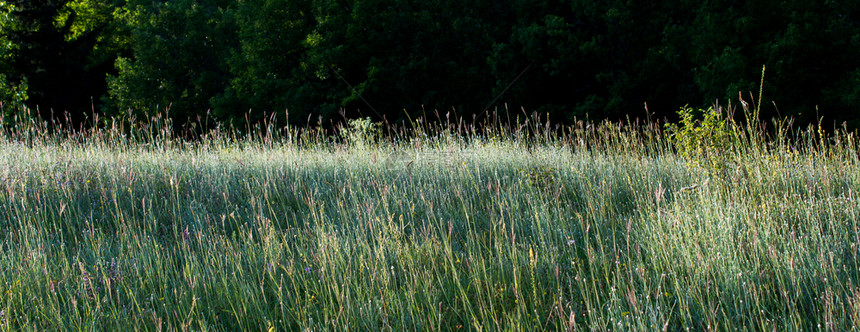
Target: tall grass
{"x": 524, "y": 226}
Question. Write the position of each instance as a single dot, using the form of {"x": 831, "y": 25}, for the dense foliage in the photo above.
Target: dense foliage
{"x": 57, "y": 52}
{"x": 252, "y": 59}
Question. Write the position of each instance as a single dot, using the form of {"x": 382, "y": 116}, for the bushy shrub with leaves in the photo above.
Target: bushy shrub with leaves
{"x": 361, "y": 132}
{"x": 704, "y": 137}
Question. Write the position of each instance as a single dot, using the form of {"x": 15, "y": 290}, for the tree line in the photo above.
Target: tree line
{"x": 400, "y": 59}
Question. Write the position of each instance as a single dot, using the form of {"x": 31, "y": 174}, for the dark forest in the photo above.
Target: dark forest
{"x": 319, "y": 60}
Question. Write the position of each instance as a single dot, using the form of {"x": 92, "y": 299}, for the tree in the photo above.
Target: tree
{"x": 586, "y": 58}
{"x": 11, "y": 93}
{"x": 57, "y": 53}
{"x": 384, "y": 57}
{"x": 179, "y": 58}
{"x": 810, "y": 49}
{"x": 265, "y": 69}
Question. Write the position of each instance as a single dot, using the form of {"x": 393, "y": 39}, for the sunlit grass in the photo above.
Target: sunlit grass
{"x": 590, "y": 227}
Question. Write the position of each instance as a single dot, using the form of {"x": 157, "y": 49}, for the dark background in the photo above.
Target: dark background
{"x": 400, "y": 59}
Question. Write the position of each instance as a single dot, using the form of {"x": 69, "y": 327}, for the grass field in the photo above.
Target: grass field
{"x": 588, "y": 227}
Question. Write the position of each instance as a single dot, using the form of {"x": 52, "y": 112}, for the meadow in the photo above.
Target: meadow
{"x": 713, "y": 225}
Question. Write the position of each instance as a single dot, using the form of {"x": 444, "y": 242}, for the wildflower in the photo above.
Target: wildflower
{"x": 308, "y": 270}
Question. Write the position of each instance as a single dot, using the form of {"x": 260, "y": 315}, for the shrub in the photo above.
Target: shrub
{"x": 703, "y": 137}
{"x": 361, "y": 132}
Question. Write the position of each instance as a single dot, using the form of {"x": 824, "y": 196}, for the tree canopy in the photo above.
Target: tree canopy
{"x": 56, "y": 54}
{"x": 233, "y": 60}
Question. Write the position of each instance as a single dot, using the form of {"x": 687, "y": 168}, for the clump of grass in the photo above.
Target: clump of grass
{"x": 594, "y": 226}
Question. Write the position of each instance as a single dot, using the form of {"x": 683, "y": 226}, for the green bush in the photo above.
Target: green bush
{"x": 703, "y": 137}
{"x": 361, "y": 132}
